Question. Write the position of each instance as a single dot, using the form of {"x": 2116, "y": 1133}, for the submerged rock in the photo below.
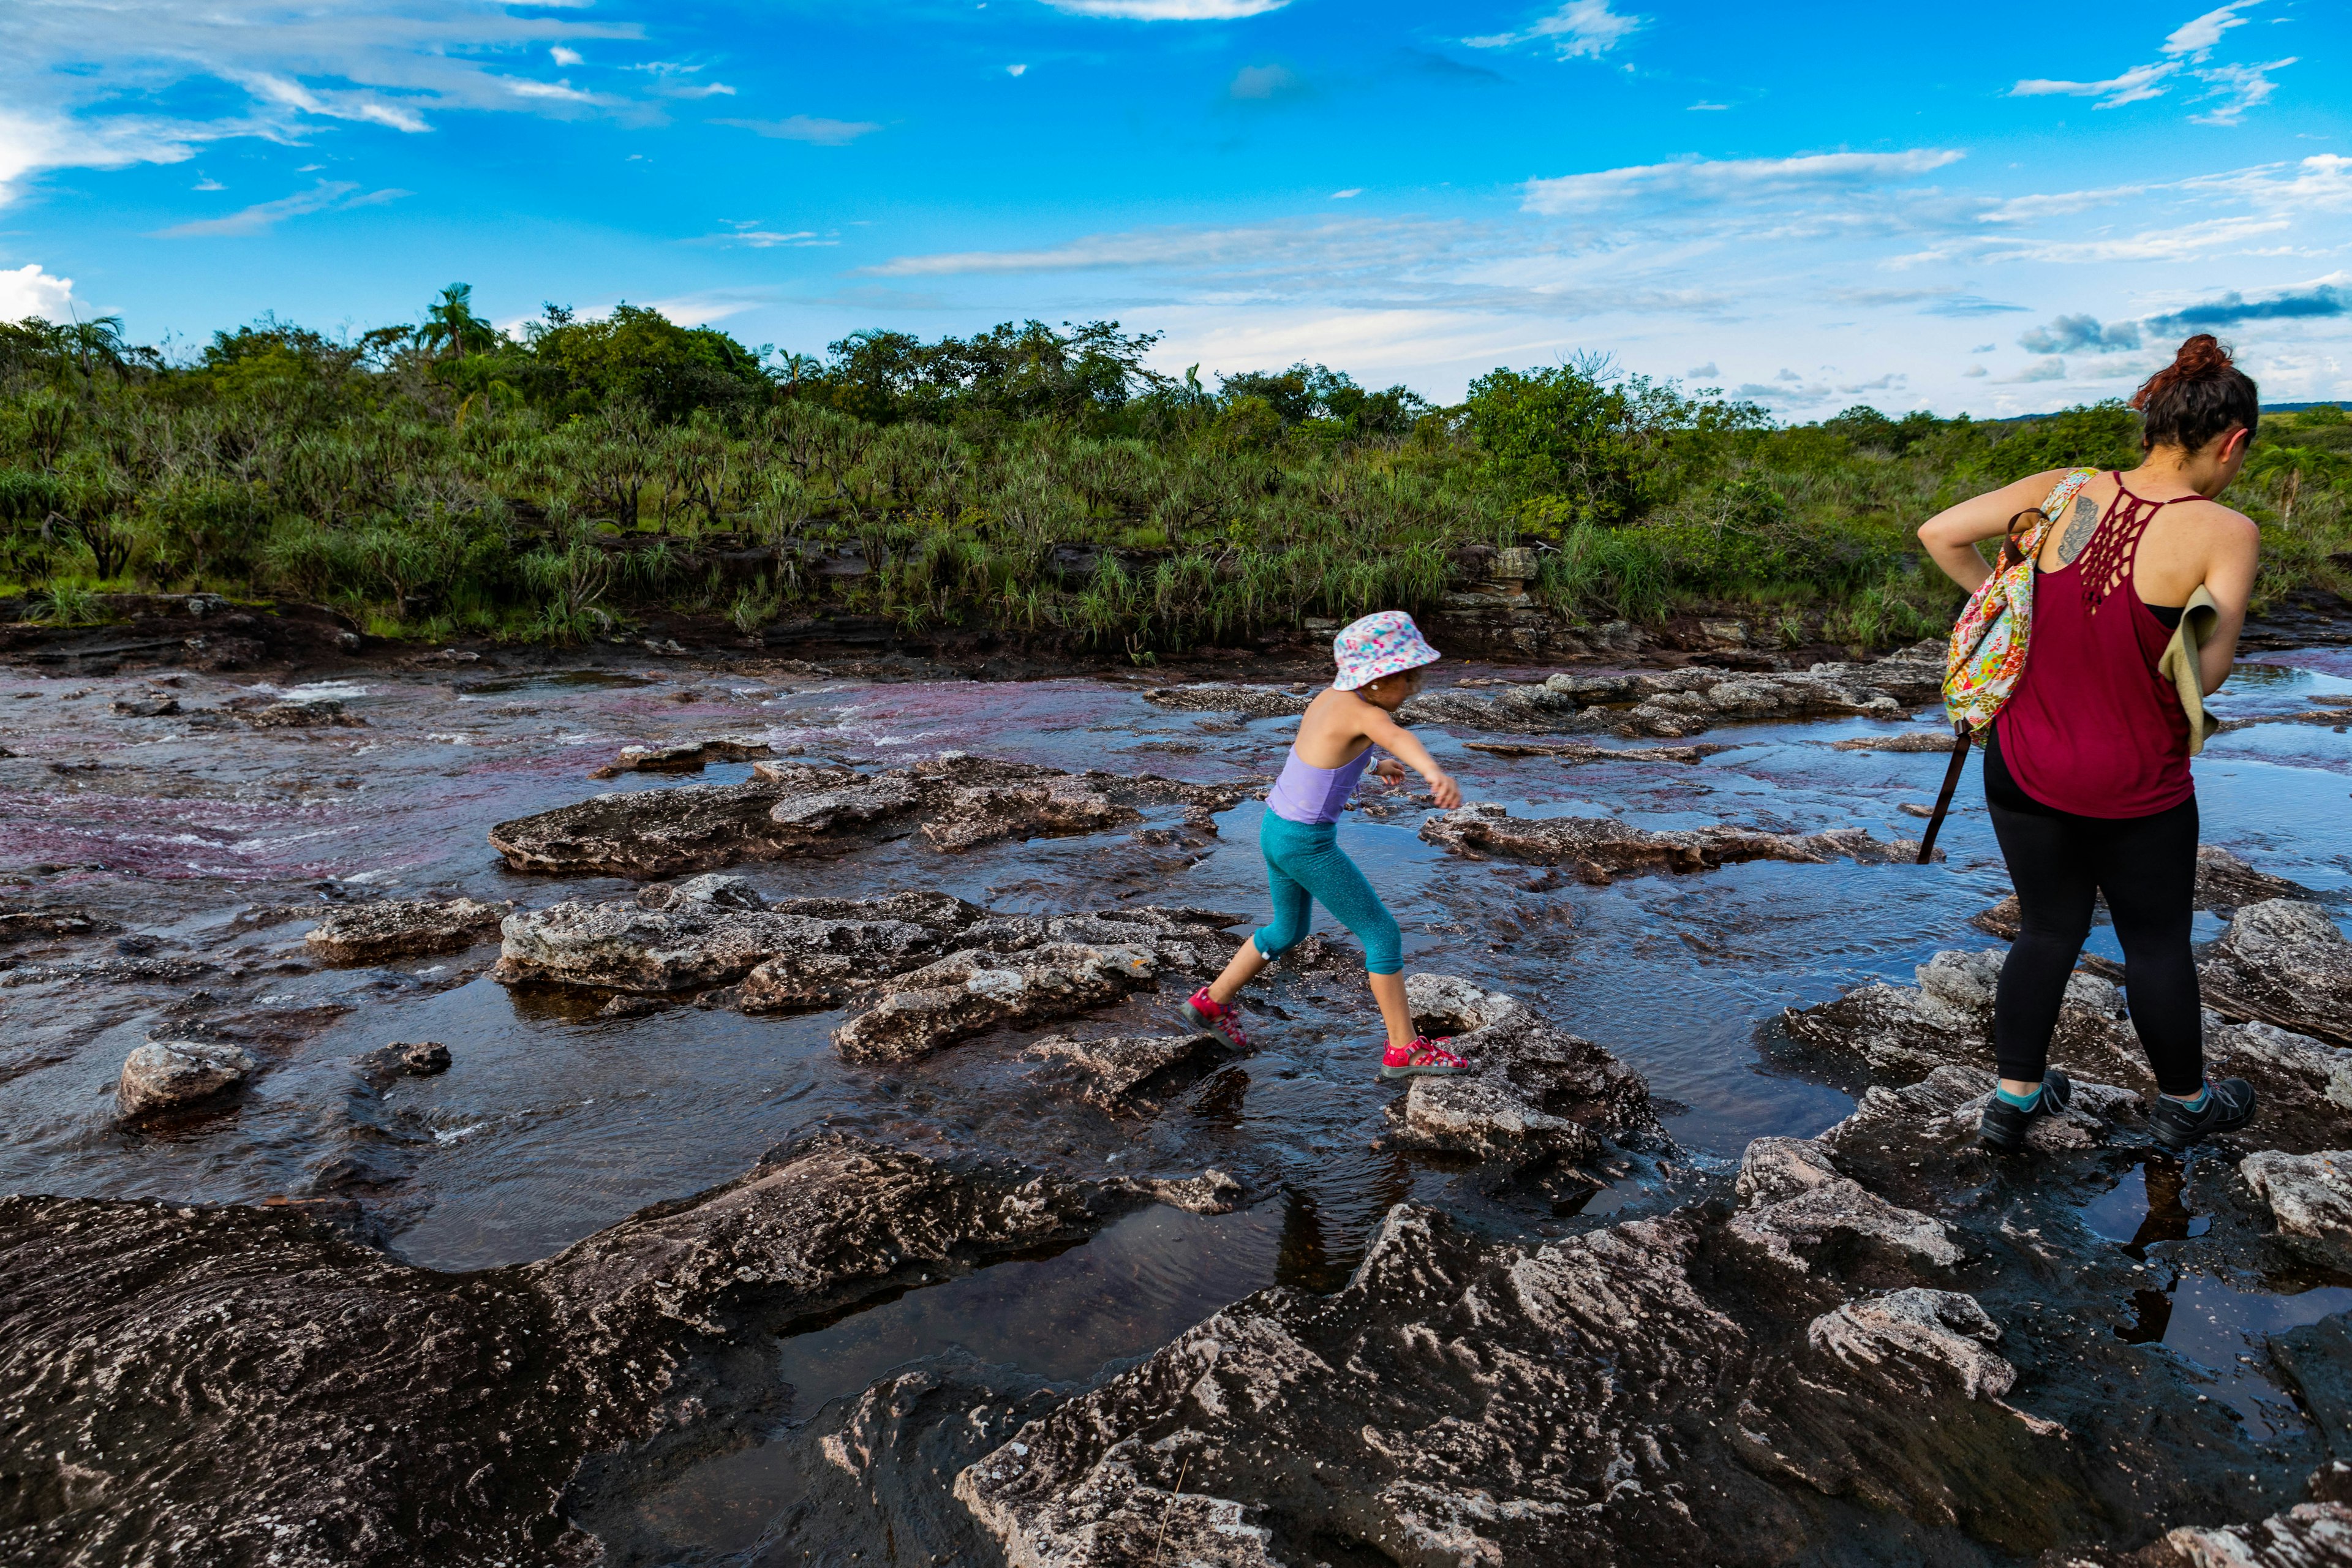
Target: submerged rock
{"x": 1586, "y": 751}
{"x": 164, "y": 1075}
{"x": 714, "y": 929}
{"x": 324, "y": 713}
{"x": 54, "y": 921}
{"x": 2285, "y": 963}
{"x": 1598, "y": 849}
{"x": 399, "y": 928}
{"x": 681, "y": 757}
{"x": 423, "y": 1059}
{"x": 956, "y": 802}
{"x": 1534, "y": 1093}
{"x": 1129, "y": 1075}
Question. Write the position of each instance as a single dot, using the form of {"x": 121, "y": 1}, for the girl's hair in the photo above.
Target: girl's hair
{"x": 2201, "y": 395}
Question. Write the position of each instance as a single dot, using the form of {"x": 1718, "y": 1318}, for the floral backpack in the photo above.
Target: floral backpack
{"x": 1987, "y": 656}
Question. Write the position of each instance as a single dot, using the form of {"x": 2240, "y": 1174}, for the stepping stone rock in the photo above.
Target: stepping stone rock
{"x": 2282, "y": 962}
{"x": 422, "y": 1059}
{"x": 1129, "y": 1075}
{"x": 164, "y": 1075}
{"x": 1599, "y": 849}
{"x": 397, "y": 928}
{"x": 1801, "y": 1210}
{"x": 681, "y": 757}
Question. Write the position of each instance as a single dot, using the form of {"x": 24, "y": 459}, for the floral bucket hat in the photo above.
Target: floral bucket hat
{"x": 1385, "y": 644}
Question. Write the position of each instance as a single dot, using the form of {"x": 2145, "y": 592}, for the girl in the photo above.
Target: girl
{"x": 2086, "y": 768}
{"x": 1380, "y": 660}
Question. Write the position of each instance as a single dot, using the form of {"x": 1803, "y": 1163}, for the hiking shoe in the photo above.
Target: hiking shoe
{"x": 2003, "y": 1126}
{"x": 1420, "y": 1059}
{"x": 2229, "y": 1105}
{"x": 1204, "y": 1014}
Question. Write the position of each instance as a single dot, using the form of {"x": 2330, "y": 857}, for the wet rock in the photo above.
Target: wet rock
{"x": 2308, "y": 1535}
{"x": 326, "y": 713}
{"x": 422, "y": 1058}
{"x": 987, "y": 814}
{"x": 400, "y": 928}
{"x": 144, "y": 707}
{"x": 1910, "y": 741}
{"x": 1129, "y": 1075}
{"x": 681, "y": 757}
{"x": 1802, "y": 1212}
{"x": 1589, "y": 1401}
{"x": 1599, "y": 849}
{"x": 716, "y": 929}
{"x": 54, "y": 921}
{"x": 1210, "y": 1192}
{"x": 2282, "y": 962}
{"x": 164, "y": 1075}
{"x": 793, "y": 808}
{"x": 968, "y": 993}
{"x": 1536, "y": 1093}
{"x": 1255, "y": 702}
{"x": 2310, "y": 1196}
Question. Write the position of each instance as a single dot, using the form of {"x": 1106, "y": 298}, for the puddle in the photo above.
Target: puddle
{"x": 2223, "y": 1331}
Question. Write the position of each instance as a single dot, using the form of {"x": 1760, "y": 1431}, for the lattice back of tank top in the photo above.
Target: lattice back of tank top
{"x": 2107, "y": 561}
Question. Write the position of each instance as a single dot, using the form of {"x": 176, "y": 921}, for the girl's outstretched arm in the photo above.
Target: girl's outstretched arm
{"x": 1401, "y": 743}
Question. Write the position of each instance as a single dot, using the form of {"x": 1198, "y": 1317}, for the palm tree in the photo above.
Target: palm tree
{"x": 100, "y": 337}
{"x": 451, "y": 326}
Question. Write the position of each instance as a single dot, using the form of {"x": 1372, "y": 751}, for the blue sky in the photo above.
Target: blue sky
{"x": 1996, "y": 207}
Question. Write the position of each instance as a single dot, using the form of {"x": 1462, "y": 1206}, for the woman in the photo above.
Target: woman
{"x": 2086, "y": 768}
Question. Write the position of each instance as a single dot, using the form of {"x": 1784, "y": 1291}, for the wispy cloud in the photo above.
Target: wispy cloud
{"x": 324, "y": 196}
{"x": 2135, "y": 86}
{"x": 2081, "y": 334}
{"x": 2197, "y": 37}
{"x": 2241, "y": 87}
{"x": 2187, "y": 48}
{"x": 807, "y": 128}
{"x": 565, "y": 57}
{"x": 1170, "y": 10}
{"x": 1262, "y": 83}
{"x": 1584, "y": 29}
{"x": 1694, "y": 181}
{"x": 747, "y": 232}
{"x": 1350, "y": 193}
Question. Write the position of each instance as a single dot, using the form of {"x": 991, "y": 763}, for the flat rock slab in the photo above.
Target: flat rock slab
{"x": 52, "y": 922}
{"x": 402, "y": 927}
{"x": 1600, "y": 849}
{"x": 2310, "y": 1197}
{"x": 682, "y": 756}
{"x": 1574, "y": 752}
{"x": 790, "y": 808}
{"x": 2285, "y": 963}
{"x": 715, "y": 929}
{"x": 164, "y": 1075}
{"x": 1129, "y": 1075}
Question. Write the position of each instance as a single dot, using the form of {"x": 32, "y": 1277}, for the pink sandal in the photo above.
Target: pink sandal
{"x": 1422, "y": 1058}
{"x": 1200, "y": 1011}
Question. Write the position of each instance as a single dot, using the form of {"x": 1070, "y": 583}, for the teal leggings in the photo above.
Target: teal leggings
{"x": 1304, "y": 864}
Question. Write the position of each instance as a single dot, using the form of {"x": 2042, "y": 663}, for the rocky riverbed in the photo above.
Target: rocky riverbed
{"x": 655, "y": 1112}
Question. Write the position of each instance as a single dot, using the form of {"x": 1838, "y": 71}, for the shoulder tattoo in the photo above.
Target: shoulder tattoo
{"x": 2080, "y": 526}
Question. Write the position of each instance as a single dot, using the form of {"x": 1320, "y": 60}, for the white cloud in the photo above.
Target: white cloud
{"x": 1581, "y": 28}
{"x": 1170, "y": 10}
{"x": 1350, "y": 193}
{"x": 29, "y": 291}
{"x": 2135, "y": 86}
{"x": 2243, "y": 87}
{"x": 1701, "y": 180}
{"x": 1016, "y": 70}
{"x": 1703, "y": 106}
{"x": 208, "y": 184}
{"x": 1975, "y": 372}
{"x": 806, "y": 127}
{"x": 2197, "y": 37}
{"x": 2040, "y": 370}
{"x": 263, "y": 217}
{"x": 748, "y": 233}
{"x": 563, "y": 56}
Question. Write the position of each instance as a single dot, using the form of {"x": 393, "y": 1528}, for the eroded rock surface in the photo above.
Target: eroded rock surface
{"x": 164, "y": 1075}
{"x": 1025, "y": 969}
{"x": 792, "y": 808}
{"x": 714, "y": 929}
{"x": 420, "y": 1058}
{"x": 1797, "y": 1206}
{"x": 246, "y": 1386}
{"x": 682, "y": 757}
{"x": 1536, "y": 1093}
{"x": 1574, "y": 752}
{"x": 2310, "y": 1197}
{"x": 402, "y": 927}
{"x": 2285, "y": 962}
{"x": 1129, "y": 1075}
{"x": 1599, "y": 849}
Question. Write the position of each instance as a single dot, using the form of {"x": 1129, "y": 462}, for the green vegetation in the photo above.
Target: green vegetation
{"x": 450, "y": 478}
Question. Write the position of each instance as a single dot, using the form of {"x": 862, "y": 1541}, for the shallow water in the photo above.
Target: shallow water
{"x": 553, "y": 1124}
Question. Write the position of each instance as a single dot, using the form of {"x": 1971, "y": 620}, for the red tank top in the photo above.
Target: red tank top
{"x": 2091, "y": 729}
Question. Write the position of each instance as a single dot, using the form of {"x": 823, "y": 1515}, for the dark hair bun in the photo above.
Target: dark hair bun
{"x": 2200, "y": 395}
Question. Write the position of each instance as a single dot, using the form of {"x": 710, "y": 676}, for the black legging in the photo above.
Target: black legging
{"x": 2146, "y": 866}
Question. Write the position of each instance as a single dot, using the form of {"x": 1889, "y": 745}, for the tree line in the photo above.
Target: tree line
{"x": 449, "y": 479}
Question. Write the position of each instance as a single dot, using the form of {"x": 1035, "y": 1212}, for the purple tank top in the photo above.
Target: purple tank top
{"x": 1315, "y": 794}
